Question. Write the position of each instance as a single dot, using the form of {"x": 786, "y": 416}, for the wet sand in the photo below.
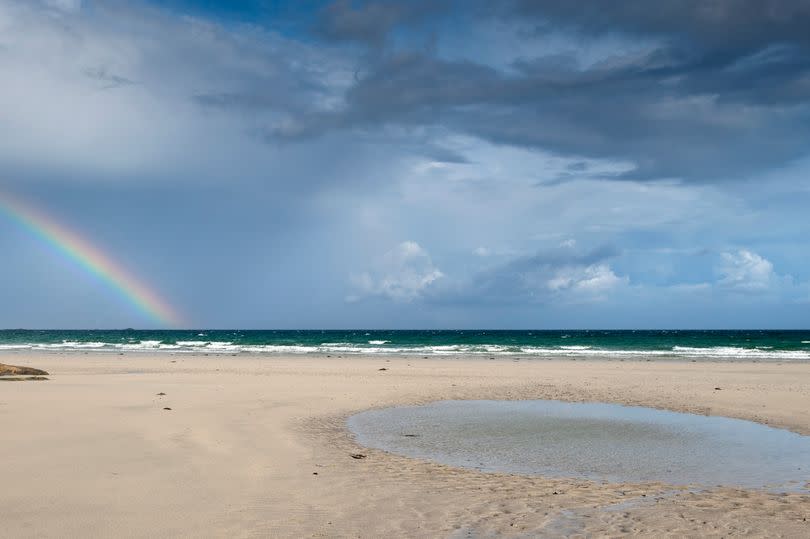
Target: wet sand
{"x": 257, "y": 447}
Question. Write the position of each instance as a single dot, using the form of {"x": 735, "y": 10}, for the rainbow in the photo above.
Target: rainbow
{"x": 73, "y": 247}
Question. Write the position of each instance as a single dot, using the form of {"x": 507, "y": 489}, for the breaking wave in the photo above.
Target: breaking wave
{"x": 384, "y": 347}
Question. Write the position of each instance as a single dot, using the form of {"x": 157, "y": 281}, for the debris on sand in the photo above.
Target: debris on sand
{"x": 357, "y": 456}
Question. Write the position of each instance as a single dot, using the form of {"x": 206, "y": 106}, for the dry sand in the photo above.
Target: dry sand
{"x": 256, "y": 447}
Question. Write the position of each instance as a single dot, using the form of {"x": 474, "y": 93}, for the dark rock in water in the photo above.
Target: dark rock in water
{"x": 167, "y": 408}
{"x": 717, "y": 389}
{"x": 161, "y": 394}
{"x": 411, "y": 435}
{"x": 382, "y": 369}
{"x": 13, "y": 370}
{"x": 357, "y": 456}
{"x": 21, "y": 378}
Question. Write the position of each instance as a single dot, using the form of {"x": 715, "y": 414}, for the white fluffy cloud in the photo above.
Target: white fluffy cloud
{"x": 592, "y": 280}
{"x": 746, "y": 271}
{"x": 402, "y": 274}
{"x": 407, "y": 273}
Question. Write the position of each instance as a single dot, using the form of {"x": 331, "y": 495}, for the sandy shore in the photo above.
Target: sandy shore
{"x": 256, "y": 447}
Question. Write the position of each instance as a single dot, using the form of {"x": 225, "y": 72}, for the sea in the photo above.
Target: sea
{"x": 764, "y": 345}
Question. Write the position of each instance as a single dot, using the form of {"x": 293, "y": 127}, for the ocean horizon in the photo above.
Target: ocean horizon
{"x": 748, "y": 344}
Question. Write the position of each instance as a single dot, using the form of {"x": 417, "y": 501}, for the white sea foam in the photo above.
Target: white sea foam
{"x": 280, "y": 349}
{"x": 382, "y": 347}
{"x": 743, "y": 353}
{"x": 139, "y": 346}
{"x": 215, "y": 345}
{"x": 71, "y": 345}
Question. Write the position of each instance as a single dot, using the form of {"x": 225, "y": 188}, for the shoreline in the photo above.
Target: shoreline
{"x": 596, "y": 355}
{"x": 258, "y": 444}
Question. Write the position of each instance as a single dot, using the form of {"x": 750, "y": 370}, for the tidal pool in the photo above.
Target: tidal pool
{"x": 592, "y": 441}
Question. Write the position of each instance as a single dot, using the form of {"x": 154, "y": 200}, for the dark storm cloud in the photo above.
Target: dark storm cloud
{"x": 371, "y": 22}
{"x": 561, "y": 273}
{"x": 723, "y": 92}
{"x": 720, "y": 24}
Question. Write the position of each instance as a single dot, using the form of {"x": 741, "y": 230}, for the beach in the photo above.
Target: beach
{"x": 192, "y": 445}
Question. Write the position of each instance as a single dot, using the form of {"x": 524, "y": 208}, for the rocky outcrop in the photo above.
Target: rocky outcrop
{"x": 12, "y": 370}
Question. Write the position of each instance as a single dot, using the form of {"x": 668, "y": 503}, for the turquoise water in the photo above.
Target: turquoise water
{"x": 742, "y": 344}
{"x": 591, "y": 441}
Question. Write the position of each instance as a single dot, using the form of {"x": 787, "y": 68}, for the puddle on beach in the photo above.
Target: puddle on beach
{"x": 592, "y": 441}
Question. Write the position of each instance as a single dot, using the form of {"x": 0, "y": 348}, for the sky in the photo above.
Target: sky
{"x": 421, "y": 164}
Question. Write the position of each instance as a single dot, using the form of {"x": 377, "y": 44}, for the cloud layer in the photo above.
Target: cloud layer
{"x": 519, "y": 163}
{"x": 685, "y": 101}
